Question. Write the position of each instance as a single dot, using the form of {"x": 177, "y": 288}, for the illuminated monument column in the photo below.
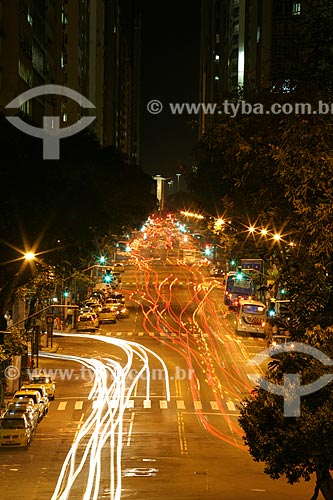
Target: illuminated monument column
{"x": 160, "y": 190}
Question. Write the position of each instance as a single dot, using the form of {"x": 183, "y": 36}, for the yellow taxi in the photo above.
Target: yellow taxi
{"x": 47, "y": 381}
{"x": 14, "y": 431}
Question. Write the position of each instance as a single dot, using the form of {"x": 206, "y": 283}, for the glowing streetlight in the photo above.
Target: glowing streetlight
{"x": 29, "y": 256}
{"x": 276, "y": 237}
{"x": 251, "y": 229}
{"x": 219, "y": 223}
{"x": 264, "y": 232}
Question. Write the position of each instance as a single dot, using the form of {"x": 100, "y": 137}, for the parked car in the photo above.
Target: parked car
{"x": 48, "y": 383}
{"x": 91, "y": 305}
{"x": 42, "y": 391}
{"x": 26, "y": 408}
{"x": 37, "y": 398}
{"x": 108, "y": 314}
{"x": 87, "y": 321}
{"x": 14, "y": 431}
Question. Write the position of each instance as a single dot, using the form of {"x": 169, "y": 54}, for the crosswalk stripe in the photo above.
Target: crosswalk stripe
{"x": 130, "y": 334}
{"x": 119, "y": 334}
{"x": 231, "y": 405}
{"x": 147, "y": 404}
{"x": 140, "y": 334}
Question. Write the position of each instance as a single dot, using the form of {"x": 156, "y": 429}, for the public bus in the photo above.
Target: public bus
{"x": 251, "y": 317}
{"x": 238, "y": 286}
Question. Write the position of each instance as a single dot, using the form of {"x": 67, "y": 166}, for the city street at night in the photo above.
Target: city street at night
{"x": 167, "y": 411}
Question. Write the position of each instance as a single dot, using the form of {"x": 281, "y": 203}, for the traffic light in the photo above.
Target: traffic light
{"x": 66, "y": 292}
{"x": 108, "y": 278}
{"x": 239, "y": 274}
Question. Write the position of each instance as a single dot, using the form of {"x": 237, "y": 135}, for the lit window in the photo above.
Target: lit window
{"x": 217, "y": 38}
{"x": 217, "y": 57}
{"x": 296, "y": 8}
{"x": 64, "y": 117}
{"x": 217, "y": 77}
{"x": 62, "y": 61}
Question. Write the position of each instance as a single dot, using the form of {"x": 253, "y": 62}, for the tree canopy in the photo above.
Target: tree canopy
{"x": 62, "y": 208}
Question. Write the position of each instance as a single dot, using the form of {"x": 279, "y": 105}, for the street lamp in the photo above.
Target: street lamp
{"x": 29, "y": 256}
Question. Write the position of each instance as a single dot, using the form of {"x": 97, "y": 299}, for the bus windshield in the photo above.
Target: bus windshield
{"x": 252, "y": 309}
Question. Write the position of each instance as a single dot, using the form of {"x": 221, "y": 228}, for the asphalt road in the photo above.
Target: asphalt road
{"x": 178, "y": 431}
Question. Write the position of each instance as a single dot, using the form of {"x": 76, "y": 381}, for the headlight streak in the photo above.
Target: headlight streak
{"x": 105, "y": 422}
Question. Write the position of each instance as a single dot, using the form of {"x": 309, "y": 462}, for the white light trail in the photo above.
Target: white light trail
{"x": 102, "y": 431}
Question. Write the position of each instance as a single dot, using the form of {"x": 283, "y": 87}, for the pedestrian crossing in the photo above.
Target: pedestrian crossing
{"x": 225, "y": 407}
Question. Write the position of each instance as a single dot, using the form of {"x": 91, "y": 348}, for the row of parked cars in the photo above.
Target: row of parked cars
{"x": 25, "y": 410}
{"x": 103, "y": 306}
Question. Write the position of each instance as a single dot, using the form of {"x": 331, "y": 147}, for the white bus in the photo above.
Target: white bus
{"x": 251, "y": 316}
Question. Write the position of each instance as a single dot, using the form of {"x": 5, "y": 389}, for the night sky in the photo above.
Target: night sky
{"x": 170, "y": 73}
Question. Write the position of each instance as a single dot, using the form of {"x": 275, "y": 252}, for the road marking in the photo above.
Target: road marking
{"x": 130, "y": 430}
{"x": 180, "y": 404}
{"x": 181, "y": 432}
{"x": 214, "y": 405}
{"x": 197, "y": 405}
{"x": 78, "y": 405}
{"x": 119, "y": 334}
{"x": 163, "y": 405}
{"x": 140, "y": 334}
{"x": 231, "y": 405}
{"x": 78, "y": 427}
{"x": 62, "y": 405}
{"x": 147, "y": 403}
{"x": 130, "y": 403}
{"x": 129, "y": 334}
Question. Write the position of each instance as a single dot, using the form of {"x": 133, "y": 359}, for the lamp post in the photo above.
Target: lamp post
{"x": 178, "y": 183}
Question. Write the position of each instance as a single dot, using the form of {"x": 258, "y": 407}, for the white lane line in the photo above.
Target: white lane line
{"x": 180, "y": 404}
{"x": 147, "y": 403}
{"x": 130, "y": 403}
{"x": 62, "y": 405}
{"x": 163, "y": 405}
{"x": 78, "y": 405}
